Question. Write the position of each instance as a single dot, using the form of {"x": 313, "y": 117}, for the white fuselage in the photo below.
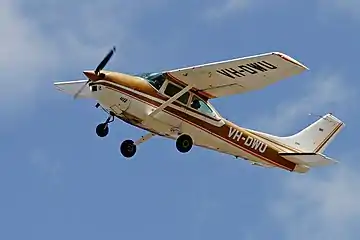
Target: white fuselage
{"x": 130, "y": 105}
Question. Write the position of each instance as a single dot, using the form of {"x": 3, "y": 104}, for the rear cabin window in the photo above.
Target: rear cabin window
{"x": 172, "y": 89}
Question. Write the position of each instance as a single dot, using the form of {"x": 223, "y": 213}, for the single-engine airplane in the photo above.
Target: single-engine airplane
{"x": 175, "y": 104}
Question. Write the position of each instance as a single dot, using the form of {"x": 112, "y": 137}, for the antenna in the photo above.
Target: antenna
{"x": 320, "y": 116}
{"x": 317, "y": 115}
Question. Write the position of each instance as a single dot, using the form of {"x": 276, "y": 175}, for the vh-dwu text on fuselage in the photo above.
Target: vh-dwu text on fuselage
{"x": 248, "y": 140}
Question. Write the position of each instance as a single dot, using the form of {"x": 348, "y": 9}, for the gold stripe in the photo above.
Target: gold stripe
{"x": 328, "y": 138}
{"x": 132, "y": 94}
{"x": 278, "y": 143}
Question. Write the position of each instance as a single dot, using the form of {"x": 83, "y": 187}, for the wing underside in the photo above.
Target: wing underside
{"x": 72, "y": 87}
{"x": 309, "y": 159}
{"x": 238, "y": 75}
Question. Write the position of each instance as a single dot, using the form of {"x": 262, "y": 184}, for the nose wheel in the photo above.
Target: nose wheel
{"x": 102, "y": 130}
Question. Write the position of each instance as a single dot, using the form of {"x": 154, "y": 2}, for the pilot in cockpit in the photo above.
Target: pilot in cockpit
{"x": 158, "y": 81}
{"x": 195, "y": 104}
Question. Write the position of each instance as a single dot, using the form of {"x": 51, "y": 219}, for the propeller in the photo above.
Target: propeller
{"x": 100, "y": 67}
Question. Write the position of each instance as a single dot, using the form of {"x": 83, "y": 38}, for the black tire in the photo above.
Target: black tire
{"x": 102, "y": 130}
{"x": 184, "y": 143}
{"x": 128, "y": 148}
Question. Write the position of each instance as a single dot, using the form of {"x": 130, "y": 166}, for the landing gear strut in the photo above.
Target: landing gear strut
{"x": 128, "y": 147}
{"x": 184, "y": 143}
{"x": 102, "y": 130}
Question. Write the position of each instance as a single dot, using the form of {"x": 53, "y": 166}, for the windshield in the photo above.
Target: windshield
{"x": 155, "y": 79}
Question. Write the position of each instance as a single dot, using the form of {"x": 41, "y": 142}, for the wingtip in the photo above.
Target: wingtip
{"x": 290, "y": 59}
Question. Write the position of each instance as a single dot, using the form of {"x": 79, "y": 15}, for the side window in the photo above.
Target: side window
{"x": 201, "y": 106}
{"x": 171, "y": 90}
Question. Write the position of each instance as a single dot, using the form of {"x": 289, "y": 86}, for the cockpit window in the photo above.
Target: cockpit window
{"x": 172, "y": 89}
{"x": 155, "y": 79}
{"x": 202, "y": 106}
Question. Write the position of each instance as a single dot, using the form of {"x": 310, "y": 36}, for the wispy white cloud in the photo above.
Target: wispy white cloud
{"x": 320, "y": 207}
{"x": 348, "y": 8}
{"x": 317, "y": 206}
{"x": 48, "y": 165}
{"x": 328, "y": 92}
{"x": 39, "y": 44}
{"x": 224, "y": 8}
{"x": 28, "y": 56}
{"x": 23, "y": 54}
{"x": 218, "y": 9}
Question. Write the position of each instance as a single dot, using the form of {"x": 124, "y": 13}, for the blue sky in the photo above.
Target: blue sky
{"x": 59, "y": 180}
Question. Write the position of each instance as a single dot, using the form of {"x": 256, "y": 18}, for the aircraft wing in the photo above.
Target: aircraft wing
{"x": 72, "y": 87}
{"x": 239, "y": 75}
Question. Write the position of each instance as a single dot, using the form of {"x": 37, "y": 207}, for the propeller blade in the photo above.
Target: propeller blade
{"x": 80, "y": 90}
{"x": 91, "y": 75}
{"x": 105, "y": 60}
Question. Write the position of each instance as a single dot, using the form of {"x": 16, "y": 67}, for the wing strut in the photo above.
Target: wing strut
{"x": 170, "y": 101}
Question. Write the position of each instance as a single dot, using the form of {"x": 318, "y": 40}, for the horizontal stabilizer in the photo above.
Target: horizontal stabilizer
{"x": 309, "y": 159}
{"x": 72, "y": 87}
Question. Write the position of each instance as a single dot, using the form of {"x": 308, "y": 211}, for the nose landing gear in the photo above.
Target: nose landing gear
{"x": 102, "y": 130}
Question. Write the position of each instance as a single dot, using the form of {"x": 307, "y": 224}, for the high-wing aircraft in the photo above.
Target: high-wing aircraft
{"x": 175, "y": 104}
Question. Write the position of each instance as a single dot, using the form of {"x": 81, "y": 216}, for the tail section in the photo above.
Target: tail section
{"x": 317, "y": 136}
{"x": 313, "y": 139}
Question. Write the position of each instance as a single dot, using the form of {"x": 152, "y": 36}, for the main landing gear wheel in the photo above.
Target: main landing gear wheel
{"x": 102, "y": 130}
{"x": 128, "y": 148}
{"x": 184, "y": 143}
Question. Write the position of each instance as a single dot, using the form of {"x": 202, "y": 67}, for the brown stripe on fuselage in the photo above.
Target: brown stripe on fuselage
{"x": 276, "y": 143}
{"x": 270, "y": 155}
{"x": 140, "y": 85}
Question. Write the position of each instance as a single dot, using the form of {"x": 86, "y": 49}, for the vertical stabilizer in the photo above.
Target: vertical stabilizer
{"x": 314, "y": 138}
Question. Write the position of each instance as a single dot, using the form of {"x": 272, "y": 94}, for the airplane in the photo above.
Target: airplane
{"x": 175, "y": 104}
